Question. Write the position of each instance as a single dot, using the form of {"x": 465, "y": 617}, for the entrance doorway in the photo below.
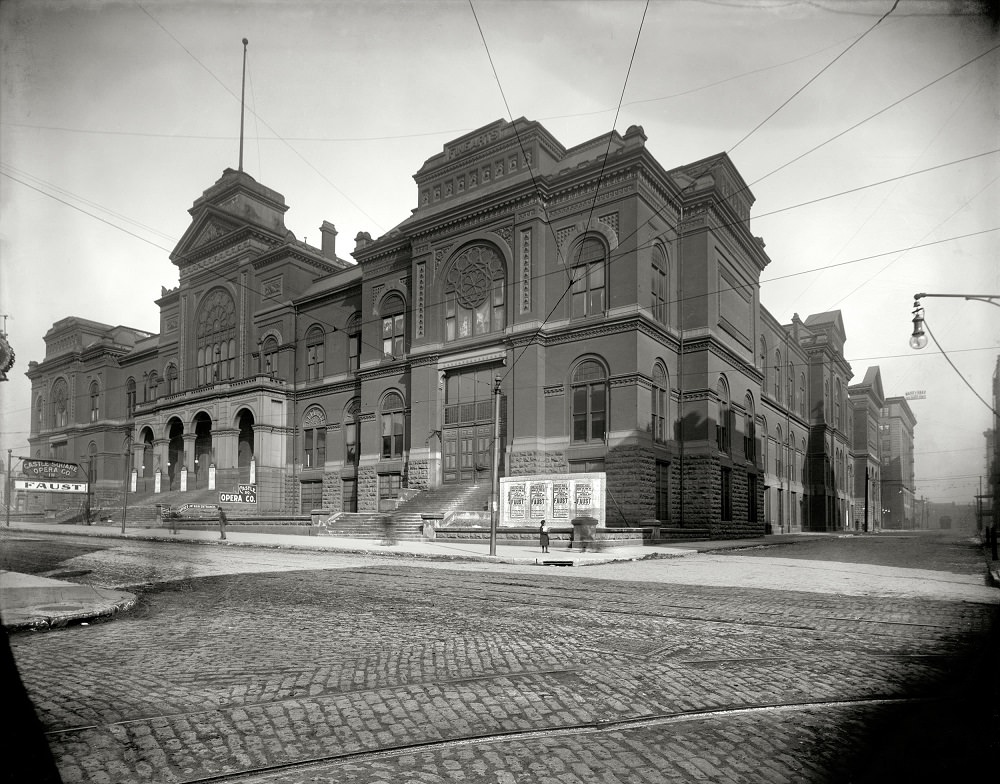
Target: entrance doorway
{"x": 467, "y": 435}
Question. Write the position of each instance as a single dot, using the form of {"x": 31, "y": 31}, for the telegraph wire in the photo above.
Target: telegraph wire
{"x": 611, "y": 258}
{"x": 814, "y": 78}
{"x": 959, "y": 372}
{"x": 278, "y": 136}
{"x": 872, "y": 116}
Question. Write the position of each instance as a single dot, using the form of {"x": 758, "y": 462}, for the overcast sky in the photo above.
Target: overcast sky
{"x": 115, "y": 116}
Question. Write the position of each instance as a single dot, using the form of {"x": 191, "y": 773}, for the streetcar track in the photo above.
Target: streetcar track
{"x": 323, "y": 695}
{"x": 264, "y": 772}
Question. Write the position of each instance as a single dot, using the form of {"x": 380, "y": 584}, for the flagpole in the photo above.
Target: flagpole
{"x": 243, "y": 93}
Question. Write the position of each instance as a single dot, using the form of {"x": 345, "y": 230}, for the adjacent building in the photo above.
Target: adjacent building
{"x": 612, "y": 304}
{"x": 896, "y": 425}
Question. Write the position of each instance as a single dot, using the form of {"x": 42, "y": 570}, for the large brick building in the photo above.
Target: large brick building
{"x": 617, "y": 302}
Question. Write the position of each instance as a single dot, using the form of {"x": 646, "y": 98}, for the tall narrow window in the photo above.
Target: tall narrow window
{"x": 662, "y": 491}
{"x": 802, "y": 394}
{"x": 392, "y": 425}
{"x": 152, "y": 382}
{"x": 39, "y": 415}
{"x": 723, "y": 417}
{"x": 764, "y": 367}
{"x": 315, "y": 353}
{"x": 661, "y": 395}
{"x": 60, "y": 402}
{"x": 172, "y": 388}
{"x": 393, "y": 326}
{"x": 791, "y": 386}
{"x": 838, "y": 416}
{"x": 216, "y": 337}
{"x": 474, "y": 294}
{"x": 314, "y": 438}
{"x": 777, "y": 376}
{"x": 588, "y": 287}
{"x": 590, "y": 402}
{"x": 749, "y": 430}
{"x": 726, "y": 496}
{"x": 660, "y": 286}
{"x": 354, "y": 343}
{"x": 95, "y": 402}
{"x": 269, "y": 357}
{"x": 779, "y": 448}
{"x": 352, "y": 433}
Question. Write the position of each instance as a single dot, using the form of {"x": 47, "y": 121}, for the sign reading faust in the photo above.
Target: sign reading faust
{"x": 50, "y": 487}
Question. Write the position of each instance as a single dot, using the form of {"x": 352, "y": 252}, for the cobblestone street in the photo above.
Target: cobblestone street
{"x": 321, "y": 667}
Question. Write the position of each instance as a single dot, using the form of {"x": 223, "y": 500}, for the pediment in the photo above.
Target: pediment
{"x": 204, "y": 230}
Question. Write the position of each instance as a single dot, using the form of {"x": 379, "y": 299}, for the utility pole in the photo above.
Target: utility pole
{"x": 495, "y": 474}
{"x": 7, "y": 496}
{"x": 127, "y": 454}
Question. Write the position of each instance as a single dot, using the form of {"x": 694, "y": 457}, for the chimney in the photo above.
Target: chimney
{"x": 329, "y": 232}
{"x": 362, "y": 240}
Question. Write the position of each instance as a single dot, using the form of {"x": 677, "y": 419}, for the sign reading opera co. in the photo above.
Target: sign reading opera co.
{"x": 51, "y": 469}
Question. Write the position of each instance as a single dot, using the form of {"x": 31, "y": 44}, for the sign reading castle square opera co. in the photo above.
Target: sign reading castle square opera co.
{"x": 555, "y": 498}
{"x": 51, "y": 476}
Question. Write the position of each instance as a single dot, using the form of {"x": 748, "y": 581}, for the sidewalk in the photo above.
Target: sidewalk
{"x": 28, "y": 601}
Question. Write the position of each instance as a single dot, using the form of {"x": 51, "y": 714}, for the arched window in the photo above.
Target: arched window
{"x": 802, "y": 394}
{"x": 60, "y": 402}
{"x": 763, "y": 364}
{"x": 315, "y": 353}
{"x": 590, "y": 402}
{"x": 474, "y": 294}
{"x": 777, "y": 376}
{"x": 314, "y": 438}
{"x": 763, "y": 442}
{"x": 749, "y": 430}
{"x": 95, "y": 402}
{"x": 779, "y": 448}
{"x": 660, "y": 286}
{"x": 393, "y": 326}
{"x": 39, "y": 414}
{"x": 391, "y": 412}
{"x": 172, "y": 388}
{"x": 790, "y": 452}
{"x": 660, "y": 404}
{"x": 354, "y": 343}
{"x": 216, "y": 337}
{"x": 791, "y": 386}
{"x": 838, "y": 409}
{"x": 588, "y": 288}
{"x": 269, "y": 356}
{"x": 826, "y": 400}
{"x": 152, "y": 382}
{"x": 723, "y": 416}
{"x": 130, "y": 398}
{"x": 352, "y": 432}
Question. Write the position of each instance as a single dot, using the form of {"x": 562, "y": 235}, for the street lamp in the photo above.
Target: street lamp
{"x": 918, "y": 339}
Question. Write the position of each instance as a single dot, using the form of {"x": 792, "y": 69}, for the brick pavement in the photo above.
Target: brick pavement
{"x": 216, "y": 675}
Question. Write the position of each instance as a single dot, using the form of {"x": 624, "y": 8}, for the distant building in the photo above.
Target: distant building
{"x": 896, "y": 426}
{"x": 617, "y": 301}
{"x": 867, "y": 401}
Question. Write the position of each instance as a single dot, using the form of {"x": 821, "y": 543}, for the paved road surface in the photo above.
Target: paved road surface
{"x": 751, "y": 667}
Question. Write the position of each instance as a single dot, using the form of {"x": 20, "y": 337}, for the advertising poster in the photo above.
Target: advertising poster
{"x": 515, "y": 501}
{"x": 560, "y": 500}
{"x": 584, "y": 497}
{"x": 538, "y": 496}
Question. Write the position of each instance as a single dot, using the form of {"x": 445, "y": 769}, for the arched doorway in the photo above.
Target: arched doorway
{"x": 175, "y": 453}
{"x": 144, "y": 482}
{"x": 244, "y": 452}
{"x": 203, "y": 453}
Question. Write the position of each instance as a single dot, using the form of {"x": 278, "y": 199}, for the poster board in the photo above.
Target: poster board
{"x": 556, "y": 498}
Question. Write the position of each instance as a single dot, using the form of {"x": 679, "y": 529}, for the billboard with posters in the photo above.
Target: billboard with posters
{"x": 556, "y": 498}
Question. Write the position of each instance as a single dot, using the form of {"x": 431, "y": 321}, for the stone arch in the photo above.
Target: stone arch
{"x": 473, "y": 287}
